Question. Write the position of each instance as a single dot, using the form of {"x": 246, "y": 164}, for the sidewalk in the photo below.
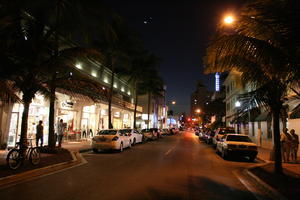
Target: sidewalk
{"x": 80, "y": 146}
{"x": 264, "y": 154}
{"x": 46, "y": 159}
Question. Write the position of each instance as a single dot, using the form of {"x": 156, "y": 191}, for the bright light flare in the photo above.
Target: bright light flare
{"x": 228, "y": 19}
{"x": 173, "y": 102}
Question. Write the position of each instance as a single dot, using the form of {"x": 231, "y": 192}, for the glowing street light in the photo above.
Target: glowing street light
{"x": 229, "y": 19}
{"x": 237, "y": 104}
{"x": 173, "y": 102}
{"x": 198, "y": 111}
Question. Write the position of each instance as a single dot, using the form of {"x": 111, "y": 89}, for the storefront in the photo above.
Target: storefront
{"x": 38, "y": 110}
{"x": 88, "y": 121}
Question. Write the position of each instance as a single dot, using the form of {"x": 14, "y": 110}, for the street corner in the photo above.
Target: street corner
{"x": 264, "y": 183}
{"x": 51, "y": 164}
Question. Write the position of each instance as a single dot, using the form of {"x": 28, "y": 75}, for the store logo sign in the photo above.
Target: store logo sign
{"x": 66, "y": 104}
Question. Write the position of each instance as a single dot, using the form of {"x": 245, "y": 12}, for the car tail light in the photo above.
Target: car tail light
{"x": 115, "y": 138}
{"x": 129, "y": 134}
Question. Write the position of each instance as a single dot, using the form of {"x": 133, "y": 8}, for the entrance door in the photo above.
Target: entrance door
{"x": 84, "y": 127}
{"x": 13, "y": 129}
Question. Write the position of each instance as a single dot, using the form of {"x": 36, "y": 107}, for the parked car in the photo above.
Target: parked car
{"x": 165, "y": 131}
{"x": 150, "y": 134}
{"x": 209, "y": 136}
{"x": 197, "y": 131}
{"x": 110, "y": 139}
{"x": 237, "y": 144}
{"x": 220, "y": 132}
{"x": 134, "y": 135}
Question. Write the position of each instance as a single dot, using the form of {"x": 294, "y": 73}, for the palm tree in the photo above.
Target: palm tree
{"x": 153, "y": 85}
{"x": 116, "y": 44}
{"x": 25, "y": 46}
{"x": 141, "y": 64}
{"x": 263, "y": 47}
{"x": 65, "y": 18}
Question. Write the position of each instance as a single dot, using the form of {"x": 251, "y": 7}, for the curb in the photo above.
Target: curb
{"x": 85, "y": 150}
{"x": 12, "y": 180}
{"x": 267, "y": 189}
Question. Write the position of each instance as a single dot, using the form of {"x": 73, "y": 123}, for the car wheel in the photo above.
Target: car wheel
{"x": 95, "y": 150}
{"x": 121, "y": 147}
{"x": 252, "y": 158}
{"x": 134, "y": 142}
{"x": 224, "y": 154}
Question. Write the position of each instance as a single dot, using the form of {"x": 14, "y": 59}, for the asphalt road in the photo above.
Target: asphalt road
{"x": 175, "y": 167}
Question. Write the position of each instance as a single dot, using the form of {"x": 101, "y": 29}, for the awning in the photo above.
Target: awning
{"x": 295, "y": 113}
{"x": 262, "y": 117}
{"x": 240, "y": 118}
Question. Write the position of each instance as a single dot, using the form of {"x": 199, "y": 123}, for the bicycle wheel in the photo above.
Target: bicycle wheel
{"x": 14, "y": 159}
{"x": 35, "y": 156}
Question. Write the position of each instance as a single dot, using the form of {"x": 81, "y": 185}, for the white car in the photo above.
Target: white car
{"x": 110, "y": 139}
{"x": 150, "y": 134}
{"x": 134, "y": 136}
{"x": 237, "y": 144}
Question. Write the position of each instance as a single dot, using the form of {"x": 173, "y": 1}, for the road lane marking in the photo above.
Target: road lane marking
{"x": 169, "y": 151}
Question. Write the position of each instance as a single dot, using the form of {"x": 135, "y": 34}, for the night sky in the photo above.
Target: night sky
{"x": 178, "y": 32}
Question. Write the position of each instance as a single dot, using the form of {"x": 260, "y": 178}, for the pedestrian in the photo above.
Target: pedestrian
{"x": 286, "y": 141}
{"x": 60, "y": 132}
{"x": 39, "y": 133}
{"x": 91, "y": 133}
{"x": 259, "y": 133}
{"x": 295, "y": 145}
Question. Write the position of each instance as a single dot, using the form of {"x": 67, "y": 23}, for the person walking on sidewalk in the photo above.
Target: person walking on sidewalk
{"x": 295, "y": 144}
{"x": 60, "y": 132}
{"x": 39, "y": 133}
{"x": 286, "y": 142}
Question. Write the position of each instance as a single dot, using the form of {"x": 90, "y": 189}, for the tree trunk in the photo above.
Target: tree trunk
{"x": 277, "y": 145}
{"x": 149, "y": 98}
{"x": 135, "y": 107}
{"x": 51, "y": 137}
{"x": 110, "y": 125}
{"x": 24, "y": 123}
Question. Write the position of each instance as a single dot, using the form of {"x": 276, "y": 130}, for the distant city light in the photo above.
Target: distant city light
{"x": 217, "y": 77}
{"x": 198, "y": 110}
{"x": 173, "y": 102}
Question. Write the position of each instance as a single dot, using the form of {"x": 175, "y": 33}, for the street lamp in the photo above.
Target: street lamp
{"x": 173, "y": 103}
{"x": 198, "y": 111}
{"x": 237, "y": 105}
{"x": 229, "y": 19}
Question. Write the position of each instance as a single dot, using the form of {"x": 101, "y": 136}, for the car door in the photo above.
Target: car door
{"x": 139, "y": 136}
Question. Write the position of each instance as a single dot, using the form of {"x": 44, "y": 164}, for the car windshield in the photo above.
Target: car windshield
{"x": 226, "y": 131}
{"x": 238, "y": 138}
{"x": 125, "y": 131}
{"x": 107, "y": 132}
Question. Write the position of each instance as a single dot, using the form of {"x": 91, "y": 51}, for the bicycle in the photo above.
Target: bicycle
{"x": 20, "y": 152}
